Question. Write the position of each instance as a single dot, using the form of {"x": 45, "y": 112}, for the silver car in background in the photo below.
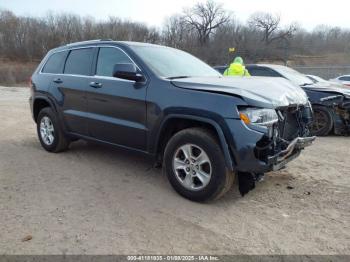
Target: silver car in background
{"x": 344, "y": 79}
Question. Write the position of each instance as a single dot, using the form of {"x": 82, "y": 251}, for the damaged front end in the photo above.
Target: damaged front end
{"x": 282, "y": 143}
{"x": 288, "y": 136}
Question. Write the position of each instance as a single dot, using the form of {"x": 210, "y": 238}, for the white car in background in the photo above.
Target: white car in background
{"x": 344, "y": 79}
{"x": 320, "y": 80}
{"x": 317, "y": 79}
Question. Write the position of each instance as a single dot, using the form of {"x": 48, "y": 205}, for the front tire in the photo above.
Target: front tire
{"x": 195, "y": 166}
{"x": 322, "y": 124}
{"x": 49, "y": 131}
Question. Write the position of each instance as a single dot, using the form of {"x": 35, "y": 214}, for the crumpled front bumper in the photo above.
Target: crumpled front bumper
{"x": 243, "y": 143}
{"x": 291, "y": 152}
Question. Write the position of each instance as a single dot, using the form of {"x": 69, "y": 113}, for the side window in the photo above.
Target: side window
{"x": 79, "y": 62}
{"x": 107, "y": 58}
{"x": 54, "y": 64}
{"x": 344, "y": 78}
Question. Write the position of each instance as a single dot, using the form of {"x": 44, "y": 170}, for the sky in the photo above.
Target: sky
{"x": 308, "y": 13}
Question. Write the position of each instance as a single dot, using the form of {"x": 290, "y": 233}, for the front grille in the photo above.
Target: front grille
{"x": 293, "y": 122}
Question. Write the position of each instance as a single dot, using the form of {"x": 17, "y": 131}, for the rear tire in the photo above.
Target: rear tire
{"x": 201, "y": 173}
{"x": 322, "y": 124}
{"x": 49, "y": 131}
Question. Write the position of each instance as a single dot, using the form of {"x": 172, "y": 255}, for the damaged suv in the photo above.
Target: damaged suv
{"x": 203, "y": 128}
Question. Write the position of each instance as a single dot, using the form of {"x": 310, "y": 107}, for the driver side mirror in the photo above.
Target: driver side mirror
{"x": 127, "y": 71}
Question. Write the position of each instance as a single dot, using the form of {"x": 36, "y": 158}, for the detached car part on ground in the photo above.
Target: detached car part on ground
{"x": 202, "y": 127}
{"x": 330, "y": 103}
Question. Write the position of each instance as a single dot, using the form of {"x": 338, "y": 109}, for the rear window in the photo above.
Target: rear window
{"x": 54, "y": 64}
{"x": 79, "y": 62}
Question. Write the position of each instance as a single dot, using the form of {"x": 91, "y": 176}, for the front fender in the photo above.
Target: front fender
{"x": 223, "y": 143}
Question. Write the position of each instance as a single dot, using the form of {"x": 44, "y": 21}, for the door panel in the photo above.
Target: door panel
{"x": 117, "y": 112}
{"x": 116, "y": 107}
{"x": 72, "y": 93}
{"x": 71, "y": 87}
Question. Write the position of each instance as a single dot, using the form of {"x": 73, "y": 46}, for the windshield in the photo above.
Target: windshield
{"x": 172, "y": 63}
{"x": 294, "y": 76}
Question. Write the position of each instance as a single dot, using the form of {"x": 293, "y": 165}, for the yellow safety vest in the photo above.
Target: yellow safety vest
{"x": 236, "y": 69}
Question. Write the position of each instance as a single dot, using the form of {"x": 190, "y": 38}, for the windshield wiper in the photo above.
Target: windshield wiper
{"x": 177, "y": 77}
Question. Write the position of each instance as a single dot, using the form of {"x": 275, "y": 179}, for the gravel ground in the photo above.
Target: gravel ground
{"x": 100, "y": 200}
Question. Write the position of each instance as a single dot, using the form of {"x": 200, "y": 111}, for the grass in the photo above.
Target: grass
{"x": 16, "y": 73}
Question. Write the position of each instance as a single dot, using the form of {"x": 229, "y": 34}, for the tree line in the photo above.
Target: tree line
{"x": 206, "y": 30}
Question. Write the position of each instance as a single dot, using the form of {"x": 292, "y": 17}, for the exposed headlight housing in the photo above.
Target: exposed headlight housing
{"x": 258, "y": 116}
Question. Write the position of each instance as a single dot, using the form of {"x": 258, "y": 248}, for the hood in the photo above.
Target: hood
{"x": 269, "y": 92}
{"x": 329, "y": 88}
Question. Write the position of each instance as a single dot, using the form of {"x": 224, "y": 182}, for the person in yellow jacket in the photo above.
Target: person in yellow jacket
{"x": 237, "y": 68}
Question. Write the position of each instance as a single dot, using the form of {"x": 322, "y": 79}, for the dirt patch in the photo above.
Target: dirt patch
{"x": 100, "y": 200}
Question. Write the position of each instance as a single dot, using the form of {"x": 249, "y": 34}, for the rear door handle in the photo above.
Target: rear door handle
{"x": 96, "y": 85}
{"x": 58, "y": 80}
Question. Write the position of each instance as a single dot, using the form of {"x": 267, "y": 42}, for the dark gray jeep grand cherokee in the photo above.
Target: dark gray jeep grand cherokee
{"x": 202, "y": 127}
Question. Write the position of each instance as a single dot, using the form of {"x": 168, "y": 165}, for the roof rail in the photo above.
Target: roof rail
{"x": 88, "y": 41}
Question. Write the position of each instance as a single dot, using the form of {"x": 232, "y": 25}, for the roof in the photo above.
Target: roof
{"x": 273, "y": 66}
{"x": 102, "y": 42}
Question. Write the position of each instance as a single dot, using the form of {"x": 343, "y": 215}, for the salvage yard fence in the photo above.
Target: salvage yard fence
{"x": 326, "y": 72}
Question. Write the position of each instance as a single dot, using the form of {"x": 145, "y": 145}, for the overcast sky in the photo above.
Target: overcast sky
{"x": 308, "y": 13}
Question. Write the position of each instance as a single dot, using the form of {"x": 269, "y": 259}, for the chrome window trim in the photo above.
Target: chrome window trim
{"x": 97, "y": 76}
{"x": 93, "y": 76}
{"x": 113, "y": 78}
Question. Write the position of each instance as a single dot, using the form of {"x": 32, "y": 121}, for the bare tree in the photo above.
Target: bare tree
{"x": 207, "y": 30}
{"x": 205, "y": 18}
{"x": 177, "y": 33}
{"x": 270, "y": 25}
{"x": 275, "y": 39}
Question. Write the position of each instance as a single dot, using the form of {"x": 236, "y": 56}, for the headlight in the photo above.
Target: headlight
{"x": 256, "y": 116}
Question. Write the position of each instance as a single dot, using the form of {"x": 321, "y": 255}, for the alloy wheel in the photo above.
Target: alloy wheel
{"x": 47, "y": 131}
{"x": 192, "y": 167}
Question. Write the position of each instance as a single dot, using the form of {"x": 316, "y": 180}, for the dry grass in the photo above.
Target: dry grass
{"x": 16, "y": 73}
{"x": 335, "y": 59}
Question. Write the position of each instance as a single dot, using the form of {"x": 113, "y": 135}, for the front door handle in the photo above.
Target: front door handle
{"x": 58, "y": 81}
{"x": 96, "y": 85}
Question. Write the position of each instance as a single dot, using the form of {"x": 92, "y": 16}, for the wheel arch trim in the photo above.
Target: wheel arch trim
{"x": 44, "y": 98}
{"x": 223, "y": 143}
